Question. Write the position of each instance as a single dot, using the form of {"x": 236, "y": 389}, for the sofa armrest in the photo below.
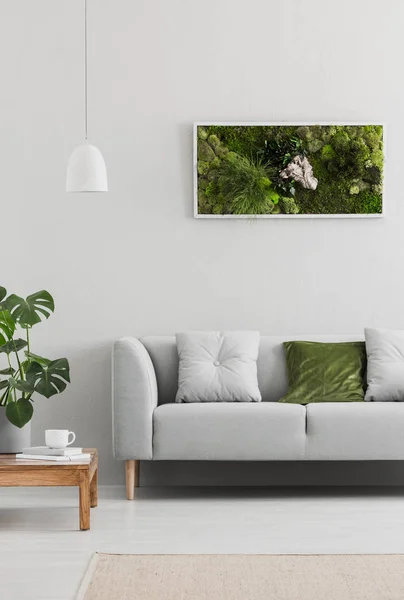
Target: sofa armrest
{"x": 134, "y": 398}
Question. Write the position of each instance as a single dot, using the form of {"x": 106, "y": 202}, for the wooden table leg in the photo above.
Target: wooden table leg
{"x": 84, "y": 500}
{"x": 94, "y": 490}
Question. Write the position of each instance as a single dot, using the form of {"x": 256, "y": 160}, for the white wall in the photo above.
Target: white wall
{"x": 135, "y": 261}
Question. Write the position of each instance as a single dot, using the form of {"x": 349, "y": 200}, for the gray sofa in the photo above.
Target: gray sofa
{"x": 148, "y": 425}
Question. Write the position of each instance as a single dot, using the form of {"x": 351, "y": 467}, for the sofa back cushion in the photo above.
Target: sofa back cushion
{"x": 271, "y": 364}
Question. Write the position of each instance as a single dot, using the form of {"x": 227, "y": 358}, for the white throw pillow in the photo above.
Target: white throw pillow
{"x": 385, "y": 368}
{"x": 218, "y": 366}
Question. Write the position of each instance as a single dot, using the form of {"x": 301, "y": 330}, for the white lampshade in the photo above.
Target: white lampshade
{"x": 86, "y": 170}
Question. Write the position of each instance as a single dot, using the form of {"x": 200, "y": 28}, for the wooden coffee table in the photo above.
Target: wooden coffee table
{"x": 17, "y": 472}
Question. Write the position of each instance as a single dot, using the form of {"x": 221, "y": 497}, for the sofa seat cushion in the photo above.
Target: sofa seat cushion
{"x": 355, "y": 431}
{"x": 229, "y": 431}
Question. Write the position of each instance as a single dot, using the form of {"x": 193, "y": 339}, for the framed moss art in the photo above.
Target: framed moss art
{"x": 262, "y": 170}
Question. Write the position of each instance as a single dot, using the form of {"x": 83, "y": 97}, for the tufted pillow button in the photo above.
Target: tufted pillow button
{"x": 216, "y": 363}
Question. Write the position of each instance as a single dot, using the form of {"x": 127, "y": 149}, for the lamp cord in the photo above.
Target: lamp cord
{"x": 85, "y": 72}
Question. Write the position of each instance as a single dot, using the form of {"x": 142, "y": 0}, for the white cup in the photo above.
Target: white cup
{"x": 59, "y": 438}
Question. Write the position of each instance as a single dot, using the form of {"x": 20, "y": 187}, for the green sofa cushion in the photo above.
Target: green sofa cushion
{"x": 322, "y": 372}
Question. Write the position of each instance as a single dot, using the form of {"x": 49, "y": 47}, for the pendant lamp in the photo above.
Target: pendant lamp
{"x": 86, "y": 170}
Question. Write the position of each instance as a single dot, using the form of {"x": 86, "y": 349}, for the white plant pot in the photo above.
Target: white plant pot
{"x": 12, "y": 438}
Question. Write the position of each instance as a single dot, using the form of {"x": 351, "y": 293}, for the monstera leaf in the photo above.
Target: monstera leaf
{"x": 21, "y": 385}
{"x": 12, "y": 384}
{"x": 7, "y": 326}
{"x": 3, "y": 294}
{"x": 5, "y": 396}
{"x": 32, "y": 310}
{"x": 49, "y": 379}
{"x": 20, "y": 412}
{"x": 8, "y": 371}
{"x": 13, "y": 346}
{"x": 36, "y": 358}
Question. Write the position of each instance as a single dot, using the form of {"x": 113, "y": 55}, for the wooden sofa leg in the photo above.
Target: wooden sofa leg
{"x": 132, "y": 477}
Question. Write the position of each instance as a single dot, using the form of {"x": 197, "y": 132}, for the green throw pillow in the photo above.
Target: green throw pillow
{"x": 320, "y": 372}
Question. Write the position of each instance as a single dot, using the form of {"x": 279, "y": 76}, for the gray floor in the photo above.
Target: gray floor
{"x": 43, "y": 556}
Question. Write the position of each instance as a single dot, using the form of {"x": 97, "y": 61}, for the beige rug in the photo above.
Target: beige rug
{"x": 243, "y": 577}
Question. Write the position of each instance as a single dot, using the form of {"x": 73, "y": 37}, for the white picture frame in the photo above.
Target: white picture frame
{"x": 197, "y": 215}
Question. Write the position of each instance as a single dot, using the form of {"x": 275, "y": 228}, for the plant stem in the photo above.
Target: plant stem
{"x": 14, "y": 393}
{"x": 22, "y": 375}
{"x": 29, "y": 350}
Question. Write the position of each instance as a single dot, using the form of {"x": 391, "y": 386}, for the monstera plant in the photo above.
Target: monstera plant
{"x": 26, "y": 373}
